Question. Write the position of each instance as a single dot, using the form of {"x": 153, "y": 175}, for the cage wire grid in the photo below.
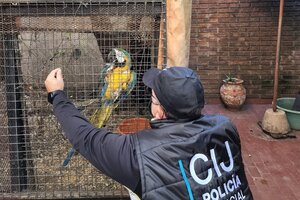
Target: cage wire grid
{"x": 38, "y": 36}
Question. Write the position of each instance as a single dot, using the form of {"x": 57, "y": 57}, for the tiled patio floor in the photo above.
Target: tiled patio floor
{"x": 272, "y": 165}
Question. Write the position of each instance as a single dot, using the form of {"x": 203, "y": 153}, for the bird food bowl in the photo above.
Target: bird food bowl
{"x": 293, "y": 116}
{"x": 132, "y": 125}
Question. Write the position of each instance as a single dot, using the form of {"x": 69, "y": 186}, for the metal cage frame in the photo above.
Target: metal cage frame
{"x": 24, "y": 110}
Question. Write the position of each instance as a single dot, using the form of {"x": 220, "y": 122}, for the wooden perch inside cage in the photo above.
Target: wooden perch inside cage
{"x": 101, "y": 23}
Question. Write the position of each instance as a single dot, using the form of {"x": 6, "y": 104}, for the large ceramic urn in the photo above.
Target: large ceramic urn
{"x": 233, "y": 93}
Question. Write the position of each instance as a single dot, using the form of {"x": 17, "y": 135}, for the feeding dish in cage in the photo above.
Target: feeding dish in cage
{"x": 132, "y": 125}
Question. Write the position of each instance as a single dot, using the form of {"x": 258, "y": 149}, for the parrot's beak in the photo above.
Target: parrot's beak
{"x": 112, "y": 56}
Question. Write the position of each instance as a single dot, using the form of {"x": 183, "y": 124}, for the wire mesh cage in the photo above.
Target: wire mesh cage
{"x": 38, "y": 36}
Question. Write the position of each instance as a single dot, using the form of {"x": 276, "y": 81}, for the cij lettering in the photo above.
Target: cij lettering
{"x": 217, "y": 166}
{"x": 230, "y": 187}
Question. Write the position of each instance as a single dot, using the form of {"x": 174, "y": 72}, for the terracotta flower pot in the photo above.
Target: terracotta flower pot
{"x": 233, "y": 93}
{"x": 132, "y": 125}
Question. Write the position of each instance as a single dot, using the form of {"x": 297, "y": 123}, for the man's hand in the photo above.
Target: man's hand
{"x": 54, "y": 80}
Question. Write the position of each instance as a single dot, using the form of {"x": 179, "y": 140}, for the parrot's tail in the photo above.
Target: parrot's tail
{"x": 69, "y": 157}
{"x": 101, "y": 115}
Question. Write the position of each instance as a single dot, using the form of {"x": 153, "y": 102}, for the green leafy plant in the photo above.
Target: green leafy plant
{"x": 230, "y": 78}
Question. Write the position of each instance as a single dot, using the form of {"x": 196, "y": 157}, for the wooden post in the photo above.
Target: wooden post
{"x": 178, "y": 32}
{"x": 276, "y": 73}
{"x": 160, "y": 59}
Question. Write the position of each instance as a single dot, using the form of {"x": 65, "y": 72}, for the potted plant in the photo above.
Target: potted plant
{"x": 232, "y": 91}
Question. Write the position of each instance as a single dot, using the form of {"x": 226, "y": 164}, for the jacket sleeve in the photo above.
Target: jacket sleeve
{"x": 113, "y": 154}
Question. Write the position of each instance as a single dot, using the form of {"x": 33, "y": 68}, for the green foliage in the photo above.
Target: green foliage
{"x": 230, "y": 78}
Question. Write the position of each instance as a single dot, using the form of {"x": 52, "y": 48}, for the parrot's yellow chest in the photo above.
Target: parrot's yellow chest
{"x": 117, "y": 81}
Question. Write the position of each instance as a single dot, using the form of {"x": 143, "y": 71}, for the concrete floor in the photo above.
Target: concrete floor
{"x": 272, "y": 165}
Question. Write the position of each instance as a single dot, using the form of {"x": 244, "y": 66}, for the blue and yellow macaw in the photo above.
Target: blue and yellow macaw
{"x": 118, "y": 81}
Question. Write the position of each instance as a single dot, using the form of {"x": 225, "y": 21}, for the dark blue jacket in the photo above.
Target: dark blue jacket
{"x": 196, "y": 159}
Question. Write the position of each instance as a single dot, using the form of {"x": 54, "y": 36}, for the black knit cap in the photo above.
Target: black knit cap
{"x": 178, "y": 89}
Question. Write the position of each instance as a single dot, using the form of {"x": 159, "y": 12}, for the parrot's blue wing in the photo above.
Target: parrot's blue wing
{"x": 69, "y": 157}
{"x": 102, "y": 81}
{"x": 104, "y": 71}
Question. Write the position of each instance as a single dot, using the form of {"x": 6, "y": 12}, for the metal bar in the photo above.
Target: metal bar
{"x": 14, "y": 113}
{"x": 165, "y": 30}
{"x": 79, "y": 9}
{"x": 76, "y": 1}
{"x": 276, "y": 72}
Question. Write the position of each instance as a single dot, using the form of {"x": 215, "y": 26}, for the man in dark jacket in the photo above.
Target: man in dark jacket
{"x": 185, "y": 155}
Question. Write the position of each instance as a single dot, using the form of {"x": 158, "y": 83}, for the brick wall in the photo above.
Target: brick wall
{"x": 239, "y": 37}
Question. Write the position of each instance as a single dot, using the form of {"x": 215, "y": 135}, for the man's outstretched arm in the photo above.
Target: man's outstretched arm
{"x": 113, "y": 154}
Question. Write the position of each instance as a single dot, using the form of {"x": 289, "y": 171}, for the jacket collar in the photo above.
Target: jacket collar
{"x": 161, "y": 123}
